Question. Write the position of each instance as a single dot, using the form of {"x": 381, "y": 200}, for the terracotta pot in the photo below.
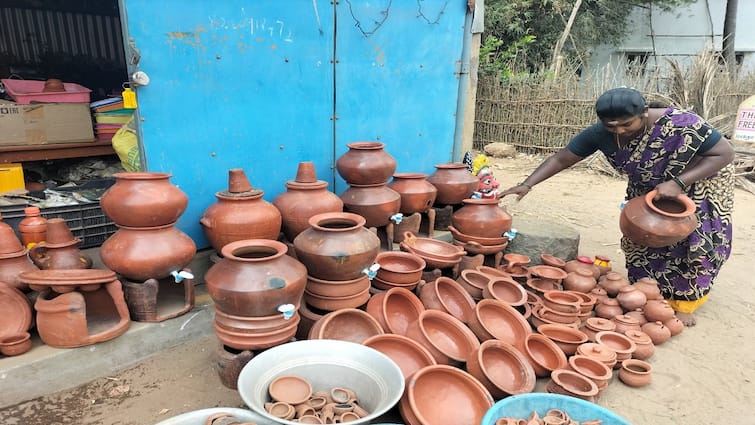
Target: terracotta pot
{"x": 562, "y": 302}
{"x": 60, "y": 250}
{"x": 409, "y": 355}
{"x": 569, "y": 382}
{"x": 336, "y": 246}
{"x": 446, "y": 295}
{"x": 619, "y": 343}
{"x": 33, "y": 227}
{"x": 501, "y": 368}
{"x": 543, "y": 354}
{"x": 644, "y": 344}
{"x": 448, "y": 339}
{"x": 259, "y": 339}
{"x": 141, "y": 253}
{"x": 11, "y": 267}
{"x": 658, "y": 223}
{"x": 240, "y": 215}
{"x": 304, "y": 197}
{"x": 625, "y": 323}
{"x": 583, "y": 262}
{"x": 603, "y": 263}
{"x": 658, "y": 311}
{"x": 599, "y": 294}
{"x": 674, "y": 325}
{"x": 16, "y": 311}
{"x": 635, "y": 373}
{"x": 495, "y": 319}
{"x": 593, "y": 325}
{"x": 580, "y": 280}
{"x": 482, "y": 218}
{"x": 591, "y": 368}
{"x": 454, "y": 183}
{"x": 395, "y": 309}
{"x": 473, "y": 282}
{"x": 612, "y": 282}
{"x": 143, "y": 199}
{"x": 376, "y": 203}
{"x": 348, "y": 324}
{"x": 417, "y": 194}
{"x": 631, "y": 298}
{"x": 649, "y": 287}
{"x": 505, "y": 289}
{"x": 331, "y": 303}
{"x": 600, "y": 352}
{"x": 436, "y": 253}
{"x": 657, "y": 331}
{"x": 366, "y": 163}
{"x": 255, "y": 277}
{"x": 552, "y": 260}
{"x": 337, "y": 288}
{"x": 566, "y": 337}
{"x": 14, "y": 345}
{"x": 608, "y": 308}
{"x": 228, "y": 364}
{"x": 400, "y": 267}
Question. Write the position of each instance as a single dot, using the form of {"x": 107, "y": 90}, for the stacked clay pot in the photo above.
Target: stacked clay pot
{"x": 240, "y": 213}
{"x": 479, "y": 226}
{"x": 60, "y": 250}
{"x": 454, "y": 183}
{"x": 13, "y": 258}
{"x": 367, "y": 167}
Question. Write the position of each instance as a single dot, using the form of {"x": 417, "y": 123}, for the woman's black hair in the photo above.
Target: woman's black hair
{"x": 619, "y": 103}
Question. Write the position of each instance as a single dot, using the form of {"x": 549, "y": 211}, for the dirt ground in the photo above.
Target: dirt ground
{"x": 703, "y": 376}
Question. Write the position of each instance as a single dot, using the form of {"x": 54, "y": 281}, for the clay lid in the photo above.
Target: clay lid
{"x": 31, "y": 211}
{"x": 59, "y": 234}
{"x": 306, "y": 178}
{"x": 10, "y": 245}
{"x": 599, "y": 351}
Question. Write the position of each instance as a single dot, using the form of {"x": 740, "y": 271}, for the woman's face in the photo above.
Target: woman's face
{"x": 626, "y": 127}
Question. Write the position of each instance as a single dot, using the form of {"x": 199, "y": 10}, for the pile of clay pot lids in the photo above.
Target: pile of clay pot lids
{"x": 552, "y": 416}
{"x": 293, "y": 399}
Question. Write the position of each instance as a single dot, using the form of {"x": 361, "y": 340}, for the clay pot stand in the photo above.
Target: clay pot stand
{"x": 229, "y": 363}
{"x": 79, "y": 318}
{"x": 443, "y": 215}
{"x": 429, "y": 275}
{"x": 386, "y": 234}
{"x": 421, "y": 223}
{"x": 156, "y": 300}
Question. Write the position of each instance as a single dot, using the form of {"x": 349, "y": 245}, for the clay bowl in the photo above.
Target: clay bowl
{"x": 409, "y": 355}
{"x": 635, "y": 373}
{"x": 476, "y": 248}
{"x": 291, "y": 389}
{"x": 14, "y": 345}
{"x": 543, "y": 314}
{"x": 446, "y": 295}
{"x": 505, "y": 289}
{"x": 449, "y": 340}
{"x": 547, "y": 272}
{"x": 571, "y": 383}
{"x": 543, "y": 354}
{"x": 395, "y": 309}
{"x": 552, "y": 260}
{"x": 431, "y": 248}
{"x": 513, "y": 258}
{"x": 463, "y": 399}
{"x": 400, "y": 267}
{"x": 492, "y": 271}
{"x": 566, "y": 337}
{"x": 620, "y": 343}
{"x": 381, "y": 284}
{"x": 539, "y": 285}
{"x": 473, "y": 282}
{"x": 337, "y": 288}
{"x": 502, "y": 369}
{"x": 591, "y": 368}
{"x": 336, "y": 303}
{"x": 495, "y": 319}
{"x": 463, "y": 237}
{"x": 562, "y": 301}
{"x": 348, "y": 324}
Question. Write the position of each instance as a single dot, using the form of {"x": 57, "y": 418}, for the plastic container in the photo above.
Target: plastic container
{"x": 33, "y": 227}
{"x": 27, "y": 91}
{"x": 11, "y": 177}
{"x": 522, "y": 405}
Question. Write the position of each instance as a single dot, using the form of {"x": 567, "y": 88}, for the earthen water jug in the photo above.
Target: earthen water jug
{"x": 304, "y": 197}
{"x": 630, "y": 298}
{"x": 240, "y": 213}
{"x": 454, "y": 183}
{"x": 33, "y": 227}
{"x": 377, "y": 203}
{"x": 366, "y": 163}
{"x": 481, "y": 218}
{"x": 255, "y": 277}
{"x": 140, "y": 199}
{"x": 417, "y": 194}
{"x": 658, "y": 222}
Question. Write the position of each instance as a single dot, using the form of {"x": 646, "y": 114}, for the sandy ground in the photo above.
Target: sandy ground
{"x": 703, "y": 376}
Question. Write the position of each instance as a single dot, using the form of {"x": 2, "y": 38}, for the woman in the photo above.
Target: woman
{"x": 674, "y": 152}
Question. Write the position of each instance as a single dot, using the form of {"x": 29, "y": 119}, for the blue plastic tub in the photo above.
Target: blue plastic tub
{"x": 522, "y": 405}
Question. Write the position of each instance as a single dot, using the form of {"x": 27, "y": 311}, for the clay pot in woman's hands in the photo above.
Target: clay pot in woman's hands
{"x": 657, "y": 223}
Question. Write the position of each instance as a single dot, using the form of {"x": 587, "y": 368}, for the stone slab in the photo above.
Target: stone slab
{"x": 537, "y": 236}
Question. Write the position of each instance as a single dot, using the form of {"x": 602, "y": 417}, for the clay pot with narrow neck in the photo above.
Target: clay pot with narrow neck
{"x": 612, "y": 282}
{"x": 240, "y": 213}
{"x": 644, "y": 344}
{"x": 143, "y": 199}
{"x": 417, "y": 194}
{"x": 584, "y": 262}
{"x": 255, "y": 277}
{"x": 658, "y": 311}
{"x": 376, "y": 203}
{"x": 580, "y": 280}
{"x": 141, "y": 253}
{"x": 13, "y": 258}
{"x": 454, "y": 183}
{"x": 657, "y": 332}
{"x": 608, "y": 308}
{"x": 336, "y": 246}
{"x": 481, "y": 218}
{"x": 631, "y": 298}
{"x": 366, "y": 163}
{"x": 649, "y": 287}
{"x": 657, "y": 223}
{"x": 60, "y": 250}
{"x": 304, "y": 197}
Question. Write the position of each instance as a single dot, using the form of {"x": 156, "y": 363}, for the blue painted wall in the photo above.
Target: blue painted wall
{"x": 255, "y": 85}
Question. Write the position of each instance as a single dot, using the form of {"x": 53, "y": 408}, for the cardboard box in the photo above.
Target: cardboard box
{"x": 43, "y": 123}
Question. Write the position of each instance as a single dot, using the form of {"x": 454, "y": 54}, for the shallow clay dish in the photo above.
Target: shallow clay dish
{"x": 496, "y": 319}
{"x": 448, "y": 339}
{"x": 409, "y": 355}
{"x": 445, "y": 294}
{"x": 15, "y": 311}
{"x": 543, "y": 354}
{"x": 290, "y": 389}
{"x": 502, "y": 369}
{"x": 463, "y": 237}
{"x": 395, "y": 309}
{"x": 547, "y": 272}
{"x": 507, "y": 290}
{"x": 566, "y": 337}
{"x": 348, "y": 324}
{"x": 400, "y": 267}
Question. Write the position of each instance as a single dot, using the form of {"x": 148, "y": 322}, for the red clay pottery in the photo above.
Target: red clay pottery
{"x": 228, "y": 364}
{"x": 60, "y": 250}
{"x": 598, "y": 351}
{"x": 603, "y": 263}
{"x": 635, "y": 373}
{"x": 625, "y": 323}
{"x": 482, "y": 218}
{"x": 585, "y": 262}
{"x": 12, "y": 265}
{"x": 376, "y": 203}
{"x": 612, "y": 282}
{"x": 448, "y": 339}
{"x": 631, "y": 298}
{"x": 674, "y": 325}
{"x": 658, "y": 311}
{"x": 255, "y": 277}
{"x": 141, "y": 253}
{"x": 417, "y": 194}
{"x": 463, "y": 237}
{"x": 594, "y": 325}
{"x": 658, "y": 223}
{"x": 400, "y": 267}
{"x": 473, "y": 282}
{"x": 409, "y": 355}
{"x": 638, "y": 315}
{"x": 33, "y": 227}
{"x": 619, "y": 343}
{"x": 304, "y": 197}
{"x": 337, "y": 288}
{"x": 156, "y": 300}
{"x": 143, "y": 199}
{"x": 580, "y": 280}
{"x": 608, "y": 308}
{"x": 496, "y": 319}
{"x": 454, "y": 183}
{"x": 591, "y": 368}
{"x": 240, "y": 213}
{"x": 15, "y": 310}
{"x": 571, "y": 383}
{"x": 543, "y": 354}
{"x": 336, "y": 246}
{"x": 78, "y": 307}
{"x": 290, "y": 389}
{"x": 501, "y": 368}
{"x": 547, "y": 272}
{"x": 14, "y": 345}
{"x": 258, "y": 339}
{"x": 562, "y": 302}
{"x": 436, "y": 253}
{"x": 657, "y": 331}
{"x": 599, "y": 294}
{"x": 346, "y": 324}
{"x": 445, "y": 294}
{"x": 395, "y": 309}
{"x": 649, "y": 287}
{"x": 505, "y": 289}
{"x": 541, "y": 315}
{"x": 366, "y": 163}
{"x": 644, "y": 344}
{"x": 332, "y": 303}
{"x": 464, "y": 400}
{"x": 552, "y": 260}
{"x": 566, "y": 337}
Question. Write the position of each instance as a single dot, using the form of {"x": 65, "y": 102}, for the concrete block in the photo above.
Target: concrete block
{"x": 536, "y": 236}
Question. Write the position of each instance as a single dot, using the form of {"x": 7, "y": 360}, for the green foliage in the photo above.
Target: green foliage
{"x": 502, "y": 61}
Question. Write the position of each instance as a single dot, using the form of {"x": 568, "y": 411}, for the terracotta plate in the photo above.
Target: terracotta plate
{"x": 15, "y": 311}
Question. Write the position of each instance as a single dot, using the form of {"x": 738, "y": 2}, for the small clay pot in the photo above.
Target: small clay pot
{"x": 631, "y": 298}
{"x": 658, "y": 311}
{"x": 591, "y": 368}
{"x": 649, "y": 287}
{"x": 639, "y": 315}
{"x": 566, "y": 337}
{"x": 625, "y": 323}
{"x": 635, "y": 373}
{"x": 608, "y": 308}
{"x": 598, "y": 351}
{"x": 674, "y": 325}
{"x": 501, "y": 368}
{"x": 580, "y": 280}
{"x": 644, "y": 344}
{"x": 598, "y": 293}
{"x": 569, "y": 382}
{"x": 658, "y": 223}
{"x": 612, "y": 282}
{"x": 14, "y": 345}
{"x": 603, "y": 263}
{"x": 585, "y": 262}
{"x": 552, "y": 260}
{"x": 594, "y": 325}
{"x": 619, "y": 343}
{"x": 454, "y": 183}
{"x": 543, "y": 354}
{"x": 290, "y": 389}
{"x": 366, "y": 163}
{"x": 657, "y": 331}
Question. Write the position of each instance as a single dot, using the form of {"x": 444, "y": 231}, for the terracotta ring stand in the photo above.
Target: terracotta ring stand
{"x": 419, "y": 223}
{"x": 78, "y": 307}
{"x": 156, "y": 300}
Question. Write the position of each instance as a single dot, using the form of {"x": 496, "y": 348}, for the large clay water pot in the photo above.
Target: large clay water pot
{"x": 336, "y": 246}
{"x": 141, "y": 253}
{"x": 366, "y": 163}
{"x": 376, "y": 203}
{"x": 658, "y": 223}
{"x": 143, "y": 199}
{"x": 417, "y": 194}
{"x": 305, "y": 197}
{"x": 482, "y": 218}
{"x": 240, "y": 213}
{"x": 454, "y": 183}
{"x": 255, "y": 277}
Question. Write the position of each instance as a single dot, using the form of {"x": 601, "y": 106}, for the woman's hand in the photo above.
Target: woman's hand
{"x": 668, "y": 189}
{"x": 519, "y": 190}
